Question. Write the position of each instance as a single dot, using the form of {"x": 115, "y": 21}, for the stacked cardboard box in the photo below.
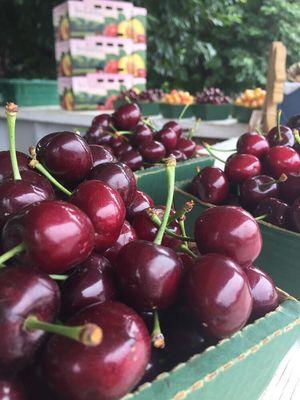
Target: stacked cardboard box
{"x": 100, "y": 49}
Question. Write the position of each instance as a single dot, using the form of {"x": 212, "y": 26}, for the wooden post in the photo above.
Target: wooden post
{"x": 275, "y": 84}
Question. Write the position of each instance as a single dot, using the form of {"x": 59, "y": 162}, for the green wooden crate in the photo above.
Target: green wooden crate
{"x": 147, "y": 109}
{"x": 242, "y": 114}
{"x": 27, "y": 93}
{"x": 212, "y": 112}
{"x": 173, "y": 111}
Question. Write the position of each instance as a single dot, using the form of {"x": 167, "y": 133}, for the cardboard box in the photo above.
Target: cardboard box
{"x": 138, "y": 24}
{"x": 139, "y": 84}
{"x": 139, "y": 60}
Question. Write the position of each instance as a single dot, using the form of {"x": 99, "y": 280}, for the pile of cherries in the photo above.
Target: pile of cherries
{"x": 148, "y": 95}
{"x": 128, "y": 137}
{"x": 212, "y": 96}
{"x": 117, "y": 272}
{"x": 263, "y": 176}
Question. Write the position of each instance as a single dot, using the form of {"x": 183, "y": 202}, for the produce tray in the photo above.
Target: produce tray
{"x": 147, "y": 109}
{"x": 212, "y": 112}
{"x": 35, "y": 92}
{"x": 242, "y": 114}
{"x": 173, "y": 111}
{"x": 231, "y": 367}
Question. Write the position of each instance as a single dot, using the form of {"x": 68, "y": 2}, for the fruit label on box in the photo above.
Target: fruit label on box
{"x": 138, "y": 25}
{"x": 138, "y": 60}
{"x": 139, "y": 84}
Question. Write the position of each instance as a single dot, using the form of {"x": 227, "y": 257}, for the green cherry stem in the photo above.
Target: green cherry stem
{"x": 180, "y": 214}
{"x": 157, "y": 337}
{"x": 278, "y": 124}
{"x": 184, "y": 249}
{"x": 209, "y": 150}
{"x": 282, "y": 178}
{"x": 11, "y": 110}
{"x": 149, "y": 123}
{"x": 192, "y": 131}
{"x": 297, "y": 136}
{"x": 182, "y": 227}
{"x": 57, "y": 277}
{"x": 223, "y": 150}
{"x": 12, "y": 252}
{"x": 87, "y": 334}
{"x": 261, "y": 217}
{"x": 183, "y": 111}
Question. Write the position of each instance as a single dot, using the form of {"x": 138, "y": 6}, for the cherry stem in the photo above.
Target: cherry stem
{"x": 183, "y": 111}
{"x": 209, "y": 150}
{"x": 37, "y": 165}
{"x": 12, "y": 252}
{"x": 119, "y": 133}
{"x": 149, "y": 123}
{"x": 278, "y": 124}
{"x": 259, "y": 131}
{"x": 180, "y": 214}
{"x": 282, "y": 178}
{"x": 223, "y": 150}
{"x": 184, "y": 249}
{"x": 157, "y": 337}
{"x": 297, "y": 136}
{"x": 11, "y": 110}
{"x": 182, "y": 227}
{"x": 192, "y": 131}
{"x": 58, "y": 277}
{"x": 87, "y": 334}
{"x": 170, "y": 171}
{"x": 261, "y": 217}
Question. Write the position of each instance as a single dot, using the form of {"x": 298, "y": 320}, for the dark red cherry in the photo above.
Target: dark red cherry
{"x": 79, "y": 372}
{"x": 175, "y": 126}
{"x": 294, "y": 122}
{"x": 290, "y": 189}
{"x": 232, "y": 200}
{"x": 127, "y": 235}
{"x": 24, "y": 291}
{"x": 178, "y": 155}
{"x": 168, "y": 137}
{"x": 284, "y": 138}
{"x": 294, "y": 215}
{"x": 218, "y": 291}
{"x": 5, "y": 164}
{"x": 257, "y": 188}
{"x": 142, "y": 134}
{"x": 187, "y": 146}
{"x": 123, "y": 150}
{"x": 118, "y": 176}
{"x": 95, "y": 135}
{"x": 275, "y": 211}
{"x": 140, "y": 202}
{"x": 147, "y": 230}
{"x": 240, "y": 167}
{"x": 253, "y": 143}
{"x": 103, "y": 121}
{"x": 104, "y": 207}
{"x": 210, "y": 185}
{"x": 231, "y": 231}
{"x": 153, "y": 152}
{"x": 263, "y": 290}
{"x": 11, "y": 389}
{"x": 148, "y": 275}
{"x": 91, "y": 282}
{"x": 101, "y": 154}
{"x": 281, "y": 160}
{"x": 117, "y": 141}
{"x": 132, "y": 159}
{"x": 66, "y": 155}
{"x": 127, "y": 117}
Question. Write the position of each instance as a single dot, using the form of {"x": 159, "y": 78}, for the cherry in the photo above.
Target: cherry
{"x": 257, "y": 188}
{"x": 11, "y": 389}
{"x": 253, "y": 143}
{"x": 132, "y": 159}
{"x": 105, "y": 209}
{"x": 96, "y": 136}
{"x": 102, "y": 121}
{"x": 127, "y": 116}
{"x": 155, "y": 366}
{"x": 142, "y": 134}
{"x": 91, "y": 282}
{"x": 231, "y": 231}
{"x": 178, "y": 155}
{"x": 240, "y": 167}
{"x": 293, "y": 215}
{"x": 175, "y": 126}
{"x": 290, "y": 188}
{"x": 187, "y": 146}
{"x": 123, "y": 150}
{"x": 101, "y": 154}
{"x": 118, "y": 176}
{"x": 211, "y": 185}
{"x": 217, "y": 290}
{"x": 34, "y": 294}
{"x": 294, "y": 122}
{"x": 263, "y": 290}
{"x": 275, "y": 211}
{"x": 148, "y": 275}
{"x": 117, "y": 141}
{"x": 281, "y": 136}
{"x": 153, "y": 152}
{"x": 281, "y": 160}
{"x": 168, "y": 137}
{"x": 40, "y": 230}
{"x": 66, "y": 155}
{"x": 5, "y": 164}
{"x": 125, "y": 347}
{"x": 232, "y": 200}
{"x": 140, "y": 202}
{"x": 127, "y": 235}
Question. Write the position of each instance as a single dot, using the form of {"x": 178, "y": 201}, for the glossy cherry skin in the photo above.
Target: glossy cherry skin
{"x": 257, "y": 188}
{"x": 231, "y": 231}
{"x": 117, "y": 141}
{"x": 148, "y": 275}
{"x": 104, "y": 207}
{"x": 168, "y": 137}
{"x": 290, "y": 189}
{"x": 91, "y": 282}
{"x": 119, "y": 177}
{"x": 240, "y": 167}
{"x": 263, "y": 290}
{"x": 79, "y": 372}
{"x": 24, "y": 291}
{"x": 103, "y": 121}
{"x": 175, "y": 126}
{"x": 127, "y": 235}
{"x": 123, "y": 150}
{"x": 253, "y": 143}
{"x": 276, "y": 211}
{"x": 97, "y": 136}
{"x": 286, "y": 137}
{"x": 66, "y": 155}
{"x": 101, "y": 154}
{"x": 218, "y": 292}
{"x": 132, "y": 159}
{"x": 294, "y": 215}
{"x": 153, "y": 152}
{"x": 147, "y": 230}
{"x": 187, "y": 146}
{"x": 127, "y": 117}
{"x": 5, "y": 164}
{"x": 281, "y": 160}
{"x": 142, "y": 134}
{"x": 178, "y": 155}
{"x": 211, "y": 185}
{"x": 140, "y": 202}
{"x": 11, "y": 389}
